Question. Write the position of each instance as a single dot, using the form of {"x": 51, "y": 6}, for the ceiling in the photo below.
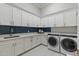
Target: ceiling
{"x": 41, "y": 5}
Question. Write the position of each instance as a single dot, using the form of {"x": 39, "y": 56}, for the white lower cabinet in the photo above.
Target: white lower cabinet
{"x": 19, "y": 46}
{"x": 44, "y": 39}
{"x": 34, "y": 41}
{"x": 39, "y": 39}
{"x": 27, "y": 43}
{"x": 6, "y": 48}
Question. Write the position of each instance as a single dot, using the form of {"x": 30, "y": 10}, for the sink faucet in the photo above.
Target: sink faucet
{"x": 11, "y": 32}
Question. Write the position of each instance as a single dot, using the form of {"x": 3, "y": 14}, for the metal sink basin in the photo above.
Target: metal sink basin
{"x": 11, "y": 37}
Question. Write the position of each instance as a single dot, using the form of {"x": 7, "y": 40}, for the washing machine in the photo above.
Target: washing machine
{"x": 68, "y": 44}
{"x": 53, "y": 42}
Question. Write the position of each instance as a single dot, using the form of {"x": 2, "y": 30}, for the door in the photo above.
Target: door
{"x": 16, "y": 16}
{"x": 5, "y": 14}
{"x": 59, "y": 21}
{"x": 6, "y": 48}
{"x": 70, "y": 18}
{"x": 19, "y": 46}
{"x": 27, "y": 41}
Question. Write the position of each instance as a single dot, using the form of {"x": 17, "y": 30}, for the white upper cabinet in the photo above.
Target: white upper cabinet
{"x": 25, "y": 19}
{"x": 48, "y": 21}
{"x": 59, "y": 21}
{"x": 30, "y": 20}
{"x": 5, "y": 14}
{"x": 33, "y": 20}
{"x": 36, "y": 21}
{"x": 16, "y": 17}
{"x": 70, "y": 18}
{"x": 44, "y": 22}
{"x": 51, "y": 21}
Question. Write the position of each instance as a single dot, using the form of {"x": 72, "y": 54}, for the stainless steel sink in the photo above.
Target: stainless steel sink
{"x": 10, "y": 37}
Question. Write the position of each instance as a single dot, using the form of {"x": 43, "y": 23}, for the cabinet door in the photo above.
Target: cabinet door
{"x": 27, "y": 42}
{"x": 36, "y": 21}
{"x": 5, "y": 14}
{"x": 70, "y": 18}
{"x": 34, "y": 41}
{"x": 19, "y": 46}
{"x": 44, "y": 39}
{"x": 44, "y": 22}
{"x": 48, "y": 21}
{"x": 51, "y": 21}
{"x": 59, "y": 21}
{"x": 38, "y": 39}
{"x": 25, "y": 19}
{"x": 17, "y": 17}
{"x": 33, "y": 21}
{"x": 6, "y": 48}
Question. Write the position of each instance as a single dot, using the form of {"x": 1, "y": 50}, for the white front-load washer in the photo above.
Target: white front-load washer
{"x": 68, "y": 44}
{"x": 53, "y": 42}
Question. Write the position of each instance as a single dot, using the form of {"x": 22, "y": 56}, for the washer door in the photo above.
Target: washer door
{"x": 69, "y": 45}
{"x": 52, "y": 41}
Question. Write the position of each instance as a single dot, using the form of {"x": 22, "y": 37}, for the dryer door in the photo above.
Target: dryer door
{"x": 69, "y": 45}
{"x": 52, "y": 41}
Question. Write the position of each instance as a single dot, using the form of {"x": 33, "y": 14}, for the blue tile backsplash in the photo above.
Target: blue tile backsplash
{"x": 20, "y": 29}
{"x": 32, "y": 29}
{"x": 47, "y": 29}
{"x": 4, "y": 29}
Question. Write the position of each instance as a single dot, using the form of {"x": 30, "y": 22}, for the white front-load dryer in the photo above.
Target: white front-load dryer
{"x": 68, "y": 44}
{"x": 53, "y": 42}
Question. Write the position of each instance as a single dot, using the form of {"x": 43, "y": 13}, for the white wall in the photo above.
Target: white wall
{"x": 54, "y": 8}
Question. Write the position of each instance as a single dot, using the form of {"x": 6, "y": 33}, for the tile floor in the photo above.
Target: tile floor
{"x": 41, "y": 51}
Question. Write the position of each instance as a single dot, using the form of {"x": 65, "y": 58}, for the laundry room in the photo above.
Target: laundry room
{"x": 39, "y": 29}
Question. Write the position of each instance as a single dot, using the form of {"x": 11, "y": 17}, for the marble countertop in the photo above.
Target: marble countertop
{"x": 17, "y": 36}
